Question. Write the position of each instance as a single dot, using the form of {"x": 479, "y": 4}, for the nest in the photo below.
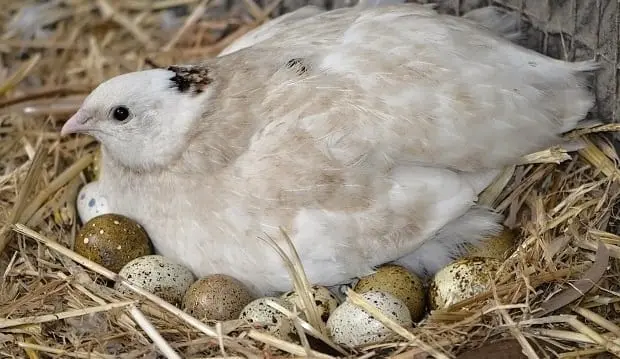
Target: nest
{"x": 557, "y": 295}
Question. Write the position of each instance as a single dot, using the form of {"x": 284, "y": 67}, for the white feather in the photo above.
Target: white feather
{"x": 272, "y": 27}
{"x": 367, "y": 133}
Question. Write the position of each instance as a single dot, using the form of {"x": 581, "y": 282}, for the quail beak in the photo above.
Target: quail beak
{"x": 78, "y": 123}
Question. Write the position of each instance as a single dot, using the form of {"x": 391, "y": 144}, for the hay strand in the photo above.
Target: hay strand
{"x": 582, "y": 286}
{"x": 8, "y": 323}
{"x": 77, "y": 354}
{"x": 191, "y": 20}
{"x": 284, "y": 345}
{"x": 19, "y": 75}
{"x": 301, "y": 284}
{"x": 561, "y": 202}
{"x": 20, "y": 228}
{"x": 150, "y": 330}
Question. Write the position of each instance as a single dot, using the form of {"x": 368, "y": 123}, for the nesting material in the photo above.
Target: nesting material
{"x": 560, "y": 204}
{"x": 325, "y": 301}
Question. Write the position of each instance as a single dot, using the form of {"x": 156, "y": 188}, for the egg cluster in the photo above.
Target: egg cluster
{"x": 123, "y": 246}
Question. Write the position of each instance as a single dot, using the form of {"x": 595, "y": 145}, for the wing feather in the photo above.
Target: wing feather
{"x": 407, "y": 84}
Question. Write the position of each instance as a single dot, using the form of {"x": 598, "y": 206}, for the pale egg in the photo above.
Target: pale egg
{"x": 352, "y": 326}
{"x": 158, "y": 275}
{"x": 259, "y": 313}
{"x": 399, "y": 282}
{"x": 462, "y": 279}
{"x": 91, "y": 202}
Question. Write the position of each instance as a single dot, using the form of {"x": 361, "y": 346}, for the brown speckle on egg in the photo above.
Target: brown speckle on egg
{"x": 216, "y": 297}
{"x": 325, "y": 301}
{"x": 112, "y": 245}
{"x": 352, "y": 326}
{"x": 261, "y": 315}
{"x": 462, "y": 279}
{"x": 158, "y": 275}
{"x": 399, "y": 282}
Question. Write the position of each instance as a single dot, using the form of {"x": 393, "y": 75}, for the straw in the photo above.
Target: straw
{"x": 560, "y": 201}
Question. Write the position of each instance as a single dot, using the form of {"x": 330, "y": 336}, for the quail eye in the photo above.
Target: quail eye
{"x": 120, "y": 113}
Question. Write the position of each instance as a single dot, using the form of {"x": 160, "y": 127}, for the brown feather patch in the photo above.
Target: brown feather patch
{"x": 192, "y": 78}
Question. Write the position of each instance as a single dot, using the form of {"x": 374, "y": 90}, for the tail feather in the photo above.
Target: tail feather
{"x": 569, "y": 94}
{"x": 585, "y": 66}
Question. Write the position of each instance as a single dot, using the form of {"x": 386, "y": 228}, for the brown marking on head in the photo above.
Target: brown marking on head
{"x": 192, "y": 78}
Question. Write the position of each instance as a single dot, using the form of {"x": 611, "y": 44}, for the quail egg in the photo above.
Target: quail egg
{"x": 216, "y": 297}
{"x": 158, "y": 275}
{"x": 91, "y": 202}
{"x": 112, "y": 240}
{"x": 352, "y": 326}
{"x": 498, "y": 246}
{"x": 258, "y": 312}
{"x": 325, "y": 301}
{"x": 399, "y": 282}
{"x": 462, "y": 279}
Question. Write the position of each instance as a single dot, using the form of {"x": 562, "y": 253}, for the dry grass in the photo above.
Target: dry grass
{"x": 558, "y": 295}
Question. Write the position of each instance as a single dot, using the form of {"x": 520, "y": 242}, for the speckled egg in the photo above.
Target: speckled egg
{"x": 158, "y": 275}
{"x": 462, "y": 279}
{"x": 259, "y": 313}
{"x": 352, "y": 326}
{"x": 91, "y": 202}
{"x": 498, "y": 246}
{"x": 216, "y": 297}
{"x": 112, "y": 240}
{"x": 399, "y": 282}
{"x": 325, "y": 301}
